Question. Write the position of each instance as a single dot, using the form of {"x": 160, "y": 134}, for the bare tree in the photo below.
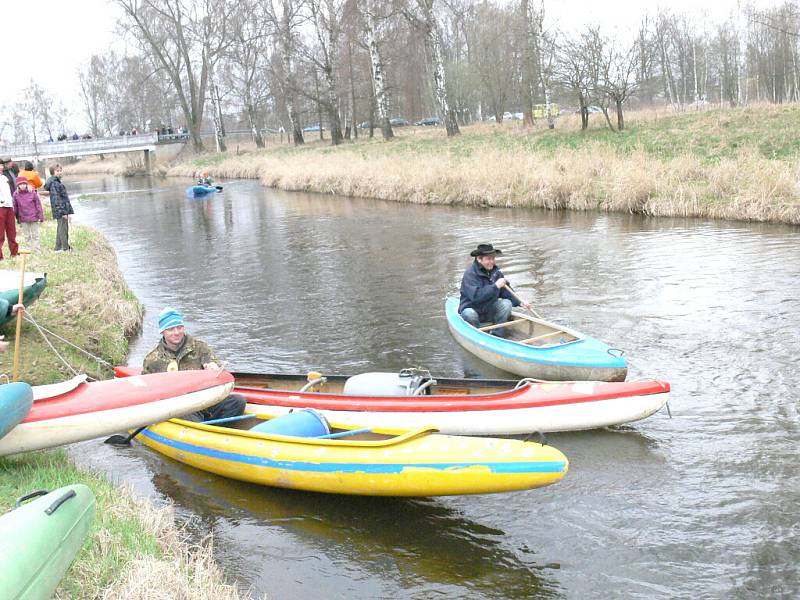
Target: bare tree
{"x": 421, "y": 14}
{"x": 327, "y": 16}
{"x": 373, "y": 20}
{"x": 185, "y": 38}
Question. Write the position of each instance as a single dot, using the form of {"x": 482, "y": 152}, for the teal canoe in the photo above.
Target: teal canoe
{"x": 9, "y": 291}
{"x": 16, "y": 400}
{"x": 40, "y": 538}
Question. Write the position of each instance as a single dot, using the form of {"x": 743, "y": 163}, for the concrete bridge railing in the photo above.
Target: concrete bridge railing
{"x": 110, "y": 145}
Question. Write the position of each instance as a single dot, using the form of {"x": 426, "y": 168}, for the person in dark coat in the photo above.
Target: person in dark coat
{"x": 485, "y": 296}
{"x": 61, "y": 206}
{"x": 8, "y": 173}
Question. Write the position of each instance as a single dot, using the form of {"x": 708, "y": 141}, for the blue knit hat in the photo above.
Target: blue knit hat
{"x": 169, "y": 317}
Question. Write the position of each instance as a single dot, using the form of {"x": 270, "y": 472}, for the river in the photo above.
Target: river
{"x": 703, "y": 504}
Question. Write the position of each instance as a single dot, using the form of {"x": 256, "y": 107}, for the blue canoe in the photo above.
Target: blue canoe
{"x": 538, "y": 349}
{"x": 16, "y": 400}
{"x": 200, "y": 190}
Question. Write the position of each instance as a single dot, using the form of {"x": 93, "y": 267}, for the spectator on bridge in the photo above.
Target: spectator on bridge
{"x": 28, "y": 210}
{"x": 8, "y": 174}
{"x": 31, "y": 175}
{"x": 61, "y": 206}
{"x": 8, "y": 226}
{"x": 75, "y": 136}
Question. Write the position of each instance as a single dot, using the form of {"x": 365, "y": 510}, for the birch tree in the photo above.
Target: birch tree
{"x": 421, "y": 14}
{"x": 373, "y": 21}
{"x": 286, "y": 17}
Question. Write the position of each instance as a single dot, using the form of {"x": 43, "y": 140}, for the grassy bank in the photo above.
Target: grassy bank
{"x": 134, "y": 551}
{"x": 721, "y": 163}
{"x": 86, "y": 301}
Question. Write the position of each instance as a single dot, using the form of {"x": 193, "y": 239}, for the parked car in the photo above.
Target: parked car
{"x": 363, "y": 125}
{"x": 312, "y": 128}
{"x": 399, "y": 122}
{"x": 590, "y": 109}
{"x": 429, "y": 121}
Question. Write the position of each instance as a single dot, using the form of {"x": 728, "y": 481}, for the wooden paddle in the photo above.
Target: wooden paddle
{"x": 23, "y": 256}
{"x": 513, "y": 293}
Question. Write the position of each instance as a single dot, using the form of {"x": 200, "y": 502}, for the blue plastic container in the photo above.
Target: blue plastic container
{"x": 300, "y": 423}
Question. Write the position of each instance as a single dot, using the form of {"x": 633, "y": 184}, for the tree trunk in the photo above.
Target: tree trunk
{"x": 620, "y": 118}
{"x": 527, "y": 70}
{"x": 253, "y": 122}
{"x": 378, "y": 74}
{"x": 434, "y": 39}
{"x": 287, "y": 83}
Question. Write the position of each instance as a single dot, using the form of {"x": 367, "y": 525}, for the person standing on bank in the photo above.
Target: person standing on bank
{"x": 61, "y": 206}
{"x": 28, "y": 208}
{"x": 484, "y": 293}
{"x": 8, "y": 225}
{"x": 179, "y": 351}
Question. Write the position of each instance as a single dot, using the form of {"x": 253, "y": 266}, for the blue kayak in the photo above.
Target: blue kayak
{"x": 200, "y": 190}
{"x": 533, "y": 347}
{"x": 16, "y": 400}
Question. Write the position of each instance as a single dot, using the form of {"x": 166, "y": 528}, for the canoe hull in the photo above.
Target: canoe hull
{"x": 420, "y": 464}
{"x": 509, "y": 421}
{"x": 71, "y": 419}
{"x": 462, "y": 406}
{"x": 585, "y": 359}
{"x": 16, "y": 400}
{"x": 36, "y": 549}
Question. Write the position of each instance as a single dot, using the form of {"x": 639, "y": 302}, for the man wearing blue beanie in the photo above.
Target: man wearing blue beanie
{"x": 179, "y": 351}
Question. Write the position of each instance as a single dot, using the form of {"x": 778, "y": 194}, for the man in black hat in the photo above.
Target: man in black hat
{"x": 484, "y": 295}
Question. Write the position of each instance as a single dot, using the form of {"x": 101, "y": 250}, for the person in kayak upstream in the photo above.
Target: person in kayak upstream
{"x": 179, "y": 351}
{"x": 485, "y": 296}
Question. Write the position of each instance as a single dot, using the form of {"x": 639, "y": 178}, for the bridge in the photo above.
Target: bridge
{"x": 143, "y": 142}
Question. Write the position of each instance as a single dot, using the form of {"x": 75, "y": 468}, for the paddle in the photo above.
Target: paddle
{"x": 24, "y": 255}
{"x": 219, "y": 188}
{"x": 513, "y": 293}
{"x": 124, "y": 440}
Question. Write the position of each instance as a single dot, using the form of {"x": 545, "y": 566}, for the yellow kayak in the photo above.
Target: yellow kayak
{"x": 348, "y": 460}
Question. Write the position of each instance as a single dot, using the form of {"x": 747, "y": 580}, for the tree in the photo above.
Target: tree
{"x": 185, "y": 38}
{"x": 372, "y": 21}
{"x": 421, "y": 14}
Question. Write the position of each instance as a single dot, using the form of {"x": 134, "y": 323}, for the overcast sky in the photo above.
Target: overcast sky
{"x": 51, "y": 48}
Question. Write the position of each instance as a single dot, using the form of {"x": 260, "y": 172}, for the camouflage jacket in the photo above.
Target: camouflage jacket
{"x": 191, "y": 356}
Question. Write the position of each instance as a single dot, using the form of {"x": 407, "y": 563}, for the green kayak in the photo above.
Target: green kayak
{"x": 39, "y": 539}
{"x": 9, "y": 291}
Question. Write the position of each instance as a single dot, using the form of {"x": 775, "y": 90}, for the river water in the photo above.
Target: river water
{"x": 703, "y": 504}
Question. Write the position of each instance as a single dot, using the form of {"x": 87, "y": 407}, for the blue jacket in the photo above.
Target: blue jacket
{"x": 478, "y": 289}
{"x": 59, "y": 199}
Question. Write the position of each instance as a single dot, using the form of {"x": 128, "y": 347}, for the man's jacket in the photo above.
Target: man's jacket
{"x": 478, "y": 289}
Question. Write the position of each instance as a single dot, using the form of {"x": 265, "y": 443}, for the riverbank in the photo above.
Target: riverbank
{"x": 134, "y": 548}
{"x": 724, "y": 163}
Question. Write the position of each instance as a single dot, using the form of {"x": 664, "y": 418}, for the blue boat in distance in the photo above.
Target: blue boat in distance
{"x": 16, "y": 400}
{"x": 538, "y": 349}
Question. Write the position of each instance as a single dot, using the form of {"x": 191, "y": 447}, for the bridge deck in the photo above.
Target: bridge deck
{"x": 108, "y": 145}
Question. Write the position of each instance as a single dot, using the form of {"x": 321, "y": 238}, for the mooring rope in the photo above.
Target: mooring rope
{"x": 44, "y": 332}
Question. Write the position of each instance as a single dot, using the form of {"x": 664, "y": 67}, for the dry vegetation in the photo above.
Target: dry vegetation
{"x": 721, "y": 163}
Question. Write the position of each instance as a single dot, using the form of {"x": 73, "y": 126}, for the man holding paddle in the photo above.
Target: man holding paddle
{"x": 485, "y": 293}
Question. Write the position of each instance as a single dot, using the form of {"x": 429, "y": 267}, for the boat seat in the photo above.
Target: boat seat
{"x": 541, "y": 337}
{"x": 490, "y": 326}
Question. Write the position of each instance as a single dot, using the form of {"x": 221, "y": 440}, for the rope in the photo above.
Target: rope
{"x": 43, "y": 331}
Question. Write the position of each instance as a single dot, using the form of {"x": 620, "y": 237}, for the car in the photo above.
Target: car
{"x": 429, "y": 121}
{"x": 312, "y": 128}
{"x": 363, "y": 125}
{"x": 399, "y": 122}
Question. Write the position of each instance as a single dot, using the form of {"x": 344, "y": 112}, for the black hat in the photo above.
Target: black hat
{"x": 485, "y": 250}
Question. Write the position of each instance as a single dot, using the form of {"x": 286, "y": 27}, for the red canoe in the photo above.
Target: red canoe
{"x": 455, "y": 406}
{"x": 76, "y": 410}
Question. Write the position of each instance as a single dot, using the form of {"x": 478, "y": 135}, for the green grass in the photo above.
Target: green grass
{"x": 86, "y": 301}
{"x": 117, "y": 535}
